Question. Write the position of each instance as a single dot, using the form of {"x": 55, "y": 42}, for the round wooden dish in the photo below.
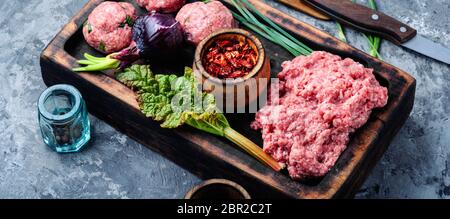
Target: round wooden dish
{"x": 217, "y": 189}
{"x": 234, "y": 87}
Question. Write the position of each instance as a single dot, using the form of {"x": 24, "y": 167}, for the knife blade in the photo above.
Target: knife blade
{"x": 301, "y": 6}
{"x": 375, "y": 22}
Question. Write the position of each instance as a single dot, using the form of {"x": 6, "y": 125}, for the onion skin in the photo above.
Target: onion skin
{"x": 157, "y": 35}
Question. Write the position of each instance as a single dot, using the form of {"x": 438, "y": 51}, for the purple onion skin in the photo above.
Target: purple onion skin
{"x": 157, "y": 35}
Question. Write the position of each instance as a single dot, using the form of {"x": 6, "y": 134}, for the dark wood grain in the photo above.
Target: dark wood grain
{"x": 305, "y": 8}
{"x": 213, "y": 157}
{"x": 360, "y": 17}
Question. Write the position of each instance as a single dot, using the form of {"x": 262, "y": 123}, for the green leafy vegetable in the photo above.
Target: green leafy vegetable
{"x": 175, "y": 101}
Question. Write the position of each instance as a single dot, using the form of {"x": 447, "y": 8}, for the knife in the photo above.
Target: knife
{"x": 301, "y": 6}
{"x": 375, "y": 22}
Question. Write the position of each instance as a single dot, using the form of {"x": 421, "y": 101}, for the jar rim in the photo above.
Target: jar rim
{"x": 59, "y": 87}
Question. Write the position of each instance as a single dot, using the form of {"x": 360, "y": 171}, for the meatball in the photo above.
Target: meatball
{"x": 109, "y": 26}
{"x": 200, "y": 19}
{"x": 165, "y": 6}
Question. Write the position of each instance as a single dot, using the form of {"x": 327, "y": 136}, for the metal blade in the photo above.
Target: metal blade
{"x": 429, "y": 48}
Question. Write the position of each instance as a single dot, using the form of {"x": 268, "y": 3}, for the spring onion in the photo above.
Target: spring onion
{"x": 373, "y": 41}
{"x": 250, "y": 17}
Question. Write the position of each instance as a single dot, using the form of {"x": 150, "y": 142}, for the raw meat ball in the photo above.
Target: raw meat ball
{"x": 200, "y": 19}
{"x": 108, "y": 28}
{"x": 166, "y": 6}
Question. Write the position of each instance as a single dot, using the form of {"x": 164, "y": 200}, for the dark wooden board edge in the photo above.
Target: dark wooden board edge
{"x": 56, "y": 64}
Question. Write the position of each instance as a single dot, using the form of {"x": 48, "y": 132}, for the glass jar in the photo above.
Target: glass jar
{"x": 63, "y": 118}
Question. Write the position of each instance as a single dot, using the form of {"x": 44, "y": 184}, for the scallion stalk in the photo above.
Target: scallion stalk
{"x": 373, "y": 41}
{"x": 276, "y": 26}
{"x": 272, "y": 32}
{"x": 341, "y": 33}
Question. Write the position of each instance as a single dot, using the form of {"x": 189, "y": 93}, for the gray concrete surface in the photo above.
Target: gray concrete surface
{"x": 114, "y": 166}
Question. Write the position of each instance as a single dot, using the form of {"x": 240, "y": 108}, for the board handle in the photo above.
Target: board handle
{"x": 365, "y": 19}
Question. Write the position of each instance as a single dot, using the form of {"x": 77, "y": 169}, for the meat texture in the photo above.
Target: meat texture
{"x": 109, "y": 26}
{"x": 200, "y": 19}
{"x": 165, "y": 6}
{"x": 322, "y": 99}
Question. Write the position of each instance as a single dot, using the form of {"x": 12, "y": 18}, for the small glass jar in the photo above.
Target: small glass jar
{"x": 63, "y": 119}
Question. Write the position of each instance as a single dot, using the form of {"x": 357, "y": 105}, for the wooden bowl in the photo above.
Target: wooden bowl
{"x": 236, "y": 89}
{"x": 217, "y": 189}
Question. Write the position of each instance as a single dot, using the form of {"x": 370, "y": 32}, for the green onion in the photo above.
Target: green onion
{"x": 274, "y": 25}
{"x": 249, "y": 17}
{"x": 97, "y": 63}
{"x": 265, "y": 35}
{"x": 341, "y": 30}
{"x": 373, "y": 41}
{"x": 341, "y": 33}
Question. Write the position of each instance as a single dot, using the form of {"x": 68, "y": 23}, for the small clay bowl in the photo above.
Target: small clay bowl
{"x": 217, "y": 189}
{"x": 229, "y": 87}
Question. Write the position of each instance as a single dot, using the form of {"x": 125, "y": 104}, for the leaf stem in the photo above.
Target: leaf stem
{"x": 251, "y": 148}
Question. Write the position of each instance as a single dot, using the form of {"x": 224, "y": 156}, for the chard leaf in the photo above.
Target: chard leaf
{"x": 137, "y": 77}
{"x": 174, "y": 100}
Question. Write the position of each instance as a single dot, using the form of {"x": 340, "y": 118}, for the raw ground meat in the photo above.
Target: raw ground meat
{"x": 106, "y": 29}
{"x": 165, "y": 6}
{"x": 323, "y": 99}
{"x": 200, "y": 19}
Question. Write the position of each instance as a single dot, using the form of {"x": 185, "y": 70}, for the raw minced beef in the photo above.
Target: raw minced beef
{"x": 200, "y": 19}
{"x": 322, "y": 99}
{"x": 165, "y": 6}
{"x": 108, "y": 28}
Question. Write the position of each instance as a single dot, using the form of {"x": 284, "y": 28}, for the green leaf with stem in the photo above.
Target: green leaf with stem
{"x": 175, "y": 101}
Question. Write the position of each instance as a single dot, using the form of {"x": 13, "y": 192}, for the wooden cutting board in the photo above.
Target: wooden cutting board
{"x": 301, "y": 6}
{"x": 210, "y": 156}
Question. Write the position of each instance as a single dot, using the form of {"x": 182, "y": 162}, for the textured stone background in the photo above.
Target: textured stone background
{"x": 114, "y": 166}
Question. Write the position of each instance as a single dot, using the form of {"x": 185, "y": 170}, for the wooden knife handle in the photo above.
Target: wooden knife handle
{"x": 305, "y": 8}
{"x": 365, "y": 19}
